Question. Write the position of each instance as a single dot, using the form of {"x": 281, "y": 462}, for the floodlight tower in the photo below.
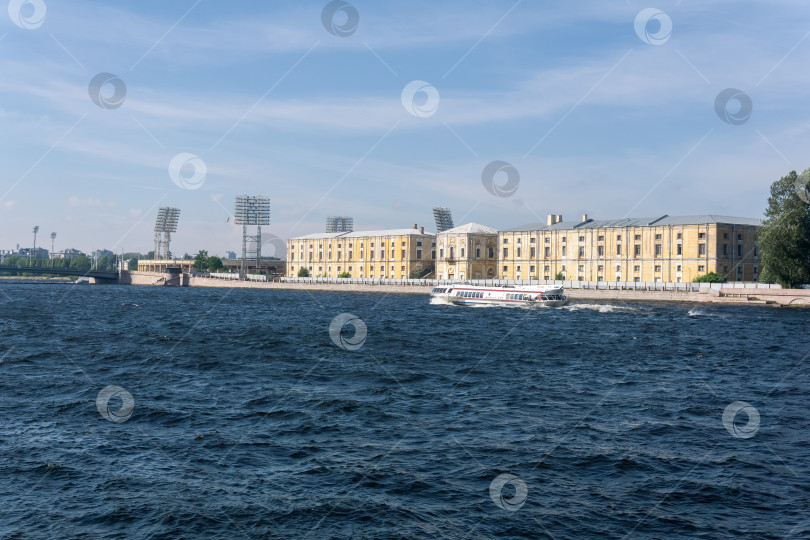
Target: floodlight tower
{"x": 36, "y": 230}
{"x": 339, "y": 224}
{"x": 53, "y": 239}
{"x": 444, "y": 219}
{"x": 165, "y": 225}
{"x": 251, "y": 210}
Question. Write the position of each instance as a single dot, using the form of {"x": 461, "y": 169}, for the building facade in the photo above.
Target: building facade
{"x": 662, "y": 249}
{"x": 467, "y": 252}
{"x": 391, "y": 254}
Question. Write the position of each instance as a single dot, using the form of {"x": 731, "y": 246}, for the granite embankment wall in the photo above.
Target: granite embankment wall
{"x": 785, "y": 297}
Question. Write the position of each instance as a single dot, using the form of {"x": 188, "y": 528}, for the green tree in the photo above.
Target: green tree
{"x": 344, "y": 275}
{"x": 201, "y": 261}
{"x": 711, "y": 277}
{"x": 213, "y": 263}
{"x": 132, "y": 265}
{"x": 559, "y": 277}
{"x": 303, "y": 272}
{"x": 784, "y": 237}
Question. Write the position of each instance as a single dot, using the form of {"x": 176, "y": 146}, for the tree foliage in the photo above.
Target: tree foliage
{"x": 784, "y": 237}
{"x": 711, "y": 277}
{"x": 303, "y": 272}
{"x": 559, "y": 277}
{"x": 201, "y": 261}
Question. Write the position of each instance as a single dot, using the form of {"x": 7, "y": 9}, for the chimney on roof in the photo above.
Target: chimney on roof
{"x": 421, "y": 230}
{"x": 551, "y": 220}
{"x": 584, "y": 217}
{"x": 559, "y": 218}
{"x": 414, "y": 226}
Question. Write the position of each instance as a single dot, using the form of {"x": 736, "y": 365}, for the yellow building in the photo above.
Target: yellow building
{"x": 391, "y": 254}
{"x": 467, "y": 252}
{"x": 662, "y": 249}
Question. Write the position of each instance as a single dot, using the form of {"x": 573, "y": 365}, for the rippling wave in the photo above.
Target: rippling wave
{"x": 250, "y": 420}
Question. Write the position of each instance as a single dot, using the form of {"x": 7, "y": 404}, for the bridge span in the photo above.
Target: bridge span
{"x": 99, "y": 276}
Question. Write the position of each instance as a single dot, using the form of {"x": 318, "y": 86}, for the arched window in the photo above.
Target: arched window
{"x": 452, "y": 252}
{"x": 491, "y": 252}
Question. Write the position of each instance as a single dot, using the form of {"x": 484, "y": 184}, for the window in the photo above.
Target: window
{"x": 679, "y": 236}
{"x": 618, "y": 238}
{"x": 600, "y": 251}
{"x": 518, "y": 250}
{"x": 678, "y": 268}
{"x": 725, "y": 249}
{"x": 548, "y": 240}
{"x": 739, "y": 250}
{"x": 350, "y": 254}
{"x": 546, "y": 268}
{"x": 701, "y": 268}
{"x": 739, "y": 237}
{"x": 462, "y": 252}
{"x": 638, "y": 237}
{"x": 600, "y": 268}
{"x": 618, "y": 268}
{"x": 657, "y": 250}
{"x": 581, "y": 238}
{"x": 518, "y": 268}
{"x": 637, "y": 268}
{"x": 637, "y": 251}
{"x": 433, "y": 254}
{"x": 531, "y": 240}
{"x": 600, "y": 238}
{"x": 636, "y": 279}
{"x": 392, "y": 253}
{"x": 618, "y": 249}
{"x": 658, "y": 237}
{"x": 725, "y": 268}
{"x": 504, "y": 269}
{"x": 581, "y": 252}
{"x": 518, "y": 240}
{"x": 547, "y": 252}
{"x": 702, "y": 235}
{"x": 418, "y": 253}
{"x": 491, "y": 252}
{"x": 563, "y": 240}
{"x": 533, "y": 252}
{"x": 441, "y": 253}
{"x": 725, "y": 236}
{"x": 679, "y": 249}
{"x": 581, "y": 268}
{"x": 505, "y": 252}
{"x": 531, "y": 269}
{"x": 658, "y": 268}
{"x": 755, "y": 250}
{"x": 701, "y": 249}
{"x": 505, "y": 240}
{"x": 563, "y": 251}
{"x": 477, "y": 253}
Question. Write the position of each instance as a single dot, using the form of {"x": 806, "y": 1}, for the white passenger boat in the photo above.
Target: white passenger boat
{"x": 508, "y": 295}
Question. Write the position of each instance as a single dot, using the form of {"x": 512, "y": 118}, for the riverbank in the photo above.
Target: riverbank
{"x": 727, "y": 295}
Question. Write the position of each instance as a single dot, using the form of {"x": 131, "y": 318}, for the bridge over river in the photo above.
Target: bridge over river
{"x": 99, "y": 276}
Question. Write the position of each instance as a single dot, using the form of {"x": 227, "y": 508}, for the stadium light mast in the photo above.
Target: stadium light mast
{"x": 36, "y": 230}
{"x": 165, "y": 225}
{"x": 251, "y": 210}
{"x": 53, "y": 239}
{"x": 336, "y": 224}
{"x": 444, "y": 219}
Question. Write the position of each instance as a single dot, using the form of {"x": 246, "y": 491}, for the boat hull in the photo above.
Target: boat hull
{"x": 473, "y": 295}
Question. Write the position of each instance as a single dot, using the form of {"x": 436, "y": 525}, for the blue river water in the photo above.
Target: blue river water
{"x": 144, "y": 412}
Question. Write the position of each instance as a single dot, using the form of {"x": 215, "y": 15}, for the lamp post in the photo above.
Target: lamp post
{"x": 36, "y": 230}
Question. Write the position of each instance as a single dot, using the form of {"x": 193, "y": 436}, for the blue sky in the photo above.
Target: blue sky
{"x": 594, "y": 118}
